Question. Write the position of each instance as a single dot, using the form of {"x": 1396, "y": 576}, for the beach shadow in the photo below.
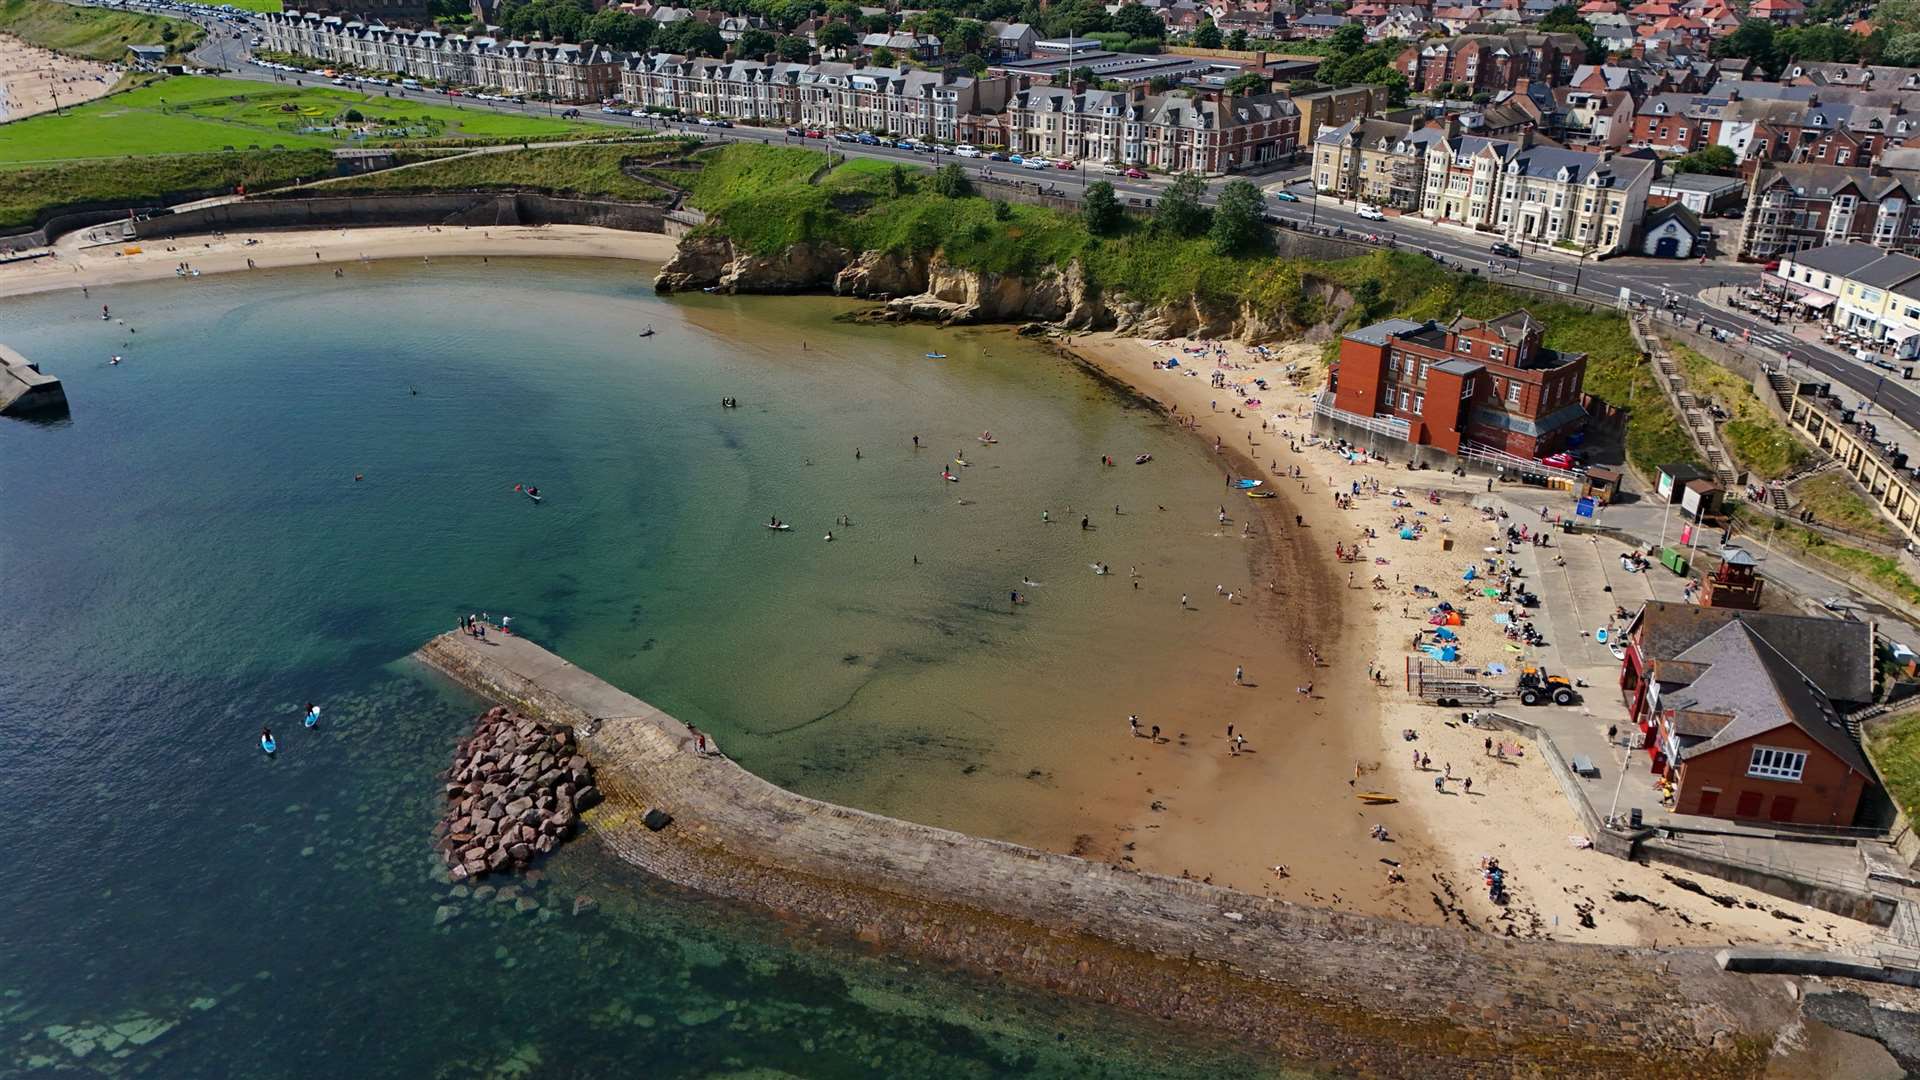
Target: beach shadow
{"x": 1248, "y": 685}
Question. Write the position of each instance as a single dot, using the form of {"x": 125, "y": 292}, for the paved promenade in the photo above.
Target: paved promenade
{"x": 1357, "y": 992}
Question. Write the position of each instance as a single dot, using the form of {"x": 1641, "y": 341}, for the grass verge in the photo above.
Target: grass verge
{"x": 1896, "y": 753}
{"x": 590, "y": 170}
{"x": 1835, "y": 501}
{"x": 93, "y": 33}
{"x": 197, "y": 114}
{"x": 1758, "y": 441}
{"x": 29, "y": 196}
{"x": 1883, "y": 571}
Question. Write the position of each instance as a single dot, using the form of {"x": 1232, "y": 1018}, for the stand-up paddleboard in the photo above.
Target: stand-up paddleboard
{"x": 268, "y": 745}
{"x": 313, "y": 717}
{"x": 777, "y": 528}
{"x": 936, "y": 356}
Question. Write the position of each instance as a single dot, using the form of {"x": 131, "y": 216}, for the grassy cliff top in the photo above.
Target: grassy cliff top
{"x": 93, "y": 33}
{"x": 767, "y": 199}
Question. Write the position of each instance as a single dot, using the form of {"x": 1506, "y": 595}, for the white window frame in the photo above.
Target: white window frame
{"x": 1773, "y": 763}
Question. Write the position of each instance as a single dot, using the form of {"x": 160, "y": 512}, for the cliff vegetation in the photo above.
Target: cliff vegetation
{"x": 788, "y": 219}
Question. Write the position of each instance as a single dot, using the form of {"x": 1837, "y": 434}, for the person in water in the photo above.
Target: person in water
{"x": 313, "y": 714}
{"x": 533, "y": 491}
{"x": 266, "y": 739}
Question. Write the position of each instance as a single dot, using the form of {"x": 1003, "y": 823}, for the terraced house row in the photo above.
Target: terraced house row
{"x": 1208, "y": 132}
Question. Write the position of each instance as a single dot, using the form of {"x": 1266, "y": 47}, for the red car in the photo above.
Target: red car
{"x": 1069, "y": 166}
{"x": 1558, "y": 461}
{"x": 815, "y": 133}
{"x": 1135, "y": 174}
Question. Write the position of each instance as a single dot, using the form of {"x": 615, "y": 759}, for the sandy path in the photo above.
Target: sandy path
{"x": 78, "y": 264}
{"x": 35, "y": 80}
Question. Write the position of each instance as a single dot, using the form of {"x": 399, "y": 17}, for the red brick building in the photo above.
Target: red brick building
{"x": 1491, "y": 62}
{"x": 1742, "y": 711}
{"x": 1488, "y": 384}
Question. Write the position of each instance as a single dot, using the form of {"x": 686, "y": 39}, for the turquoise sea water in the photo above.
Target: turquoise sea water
{"x": 189, "y": 556}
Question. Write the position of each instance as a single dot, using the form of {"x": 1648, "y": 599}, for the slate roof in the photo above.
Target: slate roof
{"x": 1379, "y": 332}
{"x": 1836, "y": 654}
{"x": 1748, "y": 680}
{"x": 1889, "y": 271}
{"x": 1842, "y": 259}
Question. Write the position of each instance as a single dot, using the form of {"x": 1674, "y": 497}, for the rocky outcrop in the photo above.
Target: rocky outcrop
{"x": 931, "y": 289}
{"x": 516, "y": 789}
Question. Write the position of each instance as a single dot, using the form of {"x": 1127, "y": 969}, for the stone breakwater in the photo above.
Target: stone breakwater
{"x": 1353, "y": 993}
{"x": 516, "y": 789}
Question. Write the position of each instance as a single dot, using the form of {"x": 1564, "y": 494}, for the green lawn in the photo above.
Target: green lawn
{"x": 1896, "y": 753}
{"x": 1758, "y": 441}
{"x": 197, "y": 114}
{"x": 93, "y": 33}
{"x": 592, "y": 170}
{"x": 257, "y": 5}
{"x": 769, "y": 198}
{"x": 29, "y": 195}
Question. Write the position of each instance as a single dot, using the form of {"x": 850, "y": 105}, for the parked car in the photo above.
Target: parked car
{"x": 1286, "y": 196}
{"x": 1014, "y": 158}
{"x": 867, "y": 139}
{"x": 796, "y": 131}
{"x": 1371, "y": 213}
{"x": 1065, "y": 165}
{"x": 966, "y": 150}
{"x": 1035, "y": 163}
{"x": 1136, "y": 173}
{"x": 813, "y": 133}
{"x": 841, "y": 136}
{"x": 1505, "y": 250}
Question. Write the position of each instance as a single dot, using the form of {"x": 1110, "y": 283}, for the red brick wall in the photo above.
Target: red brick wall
{"x": 1361, "y": 369}
{"x": 1828, "y": 793}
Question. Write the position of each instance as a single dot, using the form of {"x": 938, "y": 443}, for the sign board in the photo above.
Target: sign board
{"x": 1584, "y": 508}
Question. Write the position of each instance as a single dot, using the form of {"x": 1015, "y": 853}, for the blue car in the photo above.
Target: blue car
{"x": 1286, "y": 196}
{"x": 865, "y": 139}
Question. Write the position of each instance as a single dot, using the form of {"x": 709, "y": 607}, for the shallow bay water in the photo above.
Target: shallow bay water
{"x": 189, "y": 556}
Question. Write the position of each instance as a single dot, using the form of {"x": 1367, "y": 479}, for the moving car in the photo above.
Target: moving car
{"x": 1035, "y": 163}
{"x": 966, "y": 150}
{"x": 1286, "y": 196}
{"x": 1136, "y": 173}
{"x": 1371, "y": 213}
{"x": 1505, "y": 250}
{"x": 1066, "y": 165}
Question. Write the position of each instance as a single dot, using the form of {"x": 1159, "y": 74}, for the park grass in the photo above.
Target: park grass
{"x": 589, "y": 170}
{"x": 196, "y": 114}
{"x": 257, "y": 5}
{"x": 31, "y": 195}
{"x": 1852, "y": 563}
{"x": 768, "y": 199}
{"x": 1758, "y": 440}
{"x": 1895, "y": 745}
{"x": 1835, "y": 501}
{"x": 93, "y": 33}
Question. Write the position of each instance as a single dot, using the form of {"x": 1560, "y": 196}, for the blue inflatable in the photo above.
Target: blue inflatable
{"x": 267, "y": 744}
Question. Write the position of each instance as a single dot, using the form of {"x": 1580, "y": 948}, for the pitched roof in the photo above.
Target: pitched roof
{"x": 1836, "y": 654}
{"x": 1841, "y": 259}
{"x": 1760, "y": 690}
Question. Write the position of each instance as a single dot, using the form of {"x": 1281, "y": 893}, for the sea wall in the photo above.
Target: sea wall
{"x": 471, "y": 209}
{"x": 1352, "y": 992}
{"x": 25, "y": 389}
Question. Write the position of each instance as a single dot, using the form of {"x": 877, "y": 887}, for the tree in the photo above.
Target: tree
{"x": 1083, "y": 74}
{"x": 1136, "y": 20}
{"x": 1159, "y": 84}
{"x": 1566, "y": 19}
{"x": 896, "y": 181}
{"x": 1237, "y": 40}
{"x": 1707, "y": 159}
{"x": 935, "y": 23}
{"x": 1236, "y": 218}
{"x": 875, "y": 24}
{"x": 1366, "y": 297}
{"x": 843, "y": 10}
{"x": 881, "y": 57}
{"x": 618, "y": 29}
{"x": 1207, "y": 37}
{"x": 951, "y": 181}
{"x": 836, "y": 37}
{"x": 974, "y": 63}
{"x": 753, "y": 43}
{"x": 1002, "y": 211}
{"x": 690, "y": 37}
{"x": 1100, "y": 209}
{"x": 967, "y": 36}
{"x": 1753, "y": 41}
{"x": 794, "y": 49}
{"x": 1347, "y": 40}
{"x": 353, "y": 116}
{"x": 1817, "y": 43}
{"x": 1249, "y": 82}
{"x": 1903, "y": 50}
{"x": 1180, "y": 212}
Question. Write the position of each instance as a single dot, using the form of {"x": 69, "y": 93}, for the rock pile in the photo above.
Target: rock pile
{"x": 515, "y": 791}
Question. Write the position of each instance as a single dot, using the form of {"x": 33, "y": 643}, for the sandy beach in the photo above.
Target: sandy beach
{"x": 1438, "y": 837}
{"x": 35, "y": 80}
{"x": 1280, "y": 817}
{"x": 80, "y": 262}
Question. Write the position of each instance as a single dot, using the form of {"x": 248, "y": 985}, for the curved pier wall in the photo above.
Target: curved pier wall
{"x": 1364, "y": 993}
{"x": 472, "y": 209}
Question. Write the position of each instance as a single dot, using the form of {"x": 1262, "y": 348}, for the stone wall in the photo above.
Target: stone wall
{"x": 472, "y": 209}
{"x": 1353, "y": 992}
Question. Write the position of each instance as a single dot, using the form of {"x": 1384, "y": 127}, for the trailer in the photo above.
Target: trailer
{"x": 1454, "y": 685}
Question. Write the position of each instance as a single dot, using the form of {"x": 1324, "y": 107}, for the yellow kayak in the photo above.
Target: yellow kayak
{"x": 1260, "y": 495}
{"x": 1375, "y": 797}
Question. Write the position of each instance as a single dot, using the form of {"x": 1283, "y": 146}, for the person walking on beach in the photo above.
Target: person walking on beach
{"x": 1238, "y": 673}
{"x": 1183, "y": 601}
{"x": 1156, "y": 733}
{"x": 1467, "y": 784}
{"x": 1489, "y": 746}
{"x": 1133, "y": 725}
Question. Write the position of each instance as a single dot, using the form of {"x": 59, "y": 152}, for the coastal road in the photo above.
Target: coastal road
{"x": 1652, "y": 280}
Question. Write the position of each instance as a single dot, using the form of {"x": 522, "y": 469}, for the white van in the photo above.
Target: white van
{"x": 410, "y": 84}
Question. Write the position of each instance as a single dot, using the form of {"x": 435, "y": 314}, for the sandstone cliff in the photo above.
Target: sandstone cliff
{"x": 929, "y": 288}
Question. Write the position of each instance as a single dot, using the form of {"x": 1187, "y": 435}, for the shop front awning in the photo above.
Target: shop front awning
{"x": 1816, "y": 302}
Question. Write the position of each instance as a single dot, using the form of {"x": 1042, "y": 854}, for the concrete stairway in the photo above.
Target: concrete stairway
{"x": 1700, "y": 427}
{"x": 1782, "y": 388}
